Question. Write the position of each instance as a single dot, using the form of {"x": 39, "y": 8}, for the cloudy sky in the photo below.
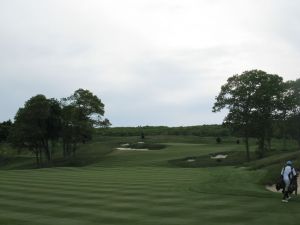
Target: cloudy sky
{"x": 152, "y": 62}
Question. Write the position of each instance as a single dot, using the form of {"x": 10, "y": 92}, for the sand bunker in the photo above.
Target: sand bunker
{"x": 190, "y": 160}
{"x": 132, "y": 149}
{"x": 219, "y": 156}
{"x": 273, "y": 187}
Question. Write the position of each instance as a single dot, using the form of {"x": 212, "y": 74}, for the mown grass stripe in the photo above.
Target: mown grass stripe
{"x": 140, "y": 189}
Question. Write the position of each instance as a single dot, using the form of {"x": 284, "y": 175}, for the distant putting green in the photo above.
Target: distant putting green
{"x": 143, "y": 188}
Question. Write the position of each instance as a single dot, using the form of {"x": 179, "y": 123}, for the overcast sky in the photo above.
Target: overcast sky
{"x": 152, "y": 62}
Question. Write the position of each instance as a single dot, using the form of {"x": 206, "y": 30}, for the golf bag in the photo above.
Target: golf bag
{"x": 280, "y": 184}
{"x": 293, "y": 187}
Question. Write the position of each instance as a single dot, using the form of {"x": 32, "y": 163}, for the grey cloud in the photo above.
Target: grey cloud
{"x": 148, "y": 65}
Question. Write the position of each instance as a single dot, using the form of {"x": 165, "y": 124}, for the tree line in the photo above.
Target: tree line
{"x": 43, "y": 122}
{"x": 259, "y": 103}
{"x": 214, "y": 130}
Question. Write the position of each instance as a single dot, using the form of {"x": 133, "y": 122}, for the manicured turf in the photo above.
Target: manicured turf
{"x": 142, "y": 188}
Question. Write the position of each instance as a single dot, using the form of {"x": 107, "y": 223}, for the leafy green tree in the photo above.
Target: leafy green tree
{"x": 54, "y": 125}
{"x": 90, "y": 105}
{"x": 34, "y": 127}
{"x": 76, "y": 129}
{"x": 267, "y": 108}
{"x": 5, "y": 130}
{"x": 237, "y": 96}
{"x": 286, "y": 106}
{"x": 294, "y": 113}
{"x": 252, "y": 100}
{"x": 81, "y": 112}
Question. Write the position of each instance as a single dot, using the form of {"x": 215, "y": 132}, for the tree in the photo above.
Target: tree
{"x": 267, "y": 107}
{"x": 105, "y": 123}
{"x": 5, "y": 130}
{"x": 54, "y": 125}
{"x": 75, "y": 129}
{"x": 34, "y": 126}
{"x": 294, "y": 113}
{"x": 287, "y": 104}
{"x": 80, "y": 113}
{"x": 237, "y": 96}
{"x": 252, "y": 99}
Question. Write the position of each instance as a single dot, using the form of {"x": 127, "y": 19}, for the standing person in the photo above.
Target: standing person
{"x": 288, "y": 173}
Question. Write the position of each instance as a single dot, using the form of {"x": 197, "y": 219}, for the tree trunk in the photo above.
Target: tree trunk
{"x": 268, "y": 135}
{"x": 283, "y": 129}
{"x": 247, "y": 149}
{"x": 41, "y": 156}
{"x": 64, "y": 149}
{"x": 50, "y": 147}
{"x": 261, "y": 146}
{"x": 47, "y": 151}
{"x": 283, "y": 134}
{"x": 298, "y": 137}
{"x": 37, "y": 158}
{"x": 246, "y": 130}
{"x": 269, "y": 143}
{"x": 68, "y": 149}
{"x": 247, "y": 145}
{"x": 74, "y": 147}
{"x": 53, "y": 144}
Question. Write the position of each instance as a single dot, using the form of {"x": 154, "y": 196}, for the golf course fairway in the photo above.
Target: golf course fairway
{"x": 142, "y": 188}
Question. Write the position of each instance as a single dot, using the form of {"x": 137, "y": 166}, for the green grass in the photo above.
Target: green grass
{"x": 128, "y": 188}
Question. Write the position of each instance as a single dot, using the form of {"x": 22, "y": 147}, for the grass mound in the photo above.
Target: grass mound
{"x": 273, "y": 164}
{"x": 275, "y": 159}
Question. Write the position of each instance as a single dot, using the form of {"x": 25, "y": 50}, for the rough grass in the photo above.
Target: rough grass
{"x": 234, "y": 158}
{"x": 127, "y": 188}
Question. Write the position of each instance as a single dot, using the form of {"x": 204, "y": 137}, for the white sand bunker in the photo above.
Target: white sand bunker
{"x": 125, "y": 145}
{"x": 190, "y": 160}
{"x": 132, "y": 149}
{"x": 273, "y": 187}
{"x": 219, "y": 156}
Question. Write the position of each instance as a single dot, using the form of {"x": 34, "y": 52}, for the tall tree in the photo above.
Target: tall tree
{"x": 267, "y": 107}
{"x": 237, "y": 96}
{"x": 294, "y": 115}
{"x": 252, "y": 99}
{"x": 33, "y": 127}
{"x": 81, "y": 112}
{"x": 287, "y": 105}
{"x": 54, "y": 125}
